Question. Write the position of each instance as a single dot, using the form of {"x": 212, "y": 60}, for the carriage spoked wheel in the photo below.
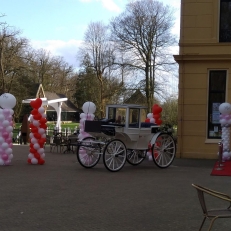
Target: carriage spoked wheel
{"x": 163, "y": 150}
{"x": 88, "y": 153}
{"x": 135, "y": 157}
{"x": 114, "y": 155}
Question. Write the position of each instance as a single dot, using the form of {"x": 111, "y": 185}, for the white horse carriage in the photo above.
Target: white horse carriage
{"x": 121, "y": 137}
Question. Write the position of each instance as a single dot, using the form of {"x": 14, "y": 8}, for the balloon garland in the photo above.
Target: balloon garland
{"x": 38, "y": 133}
{"x": 7, "y": 102}
{"x": 225, "y": 121}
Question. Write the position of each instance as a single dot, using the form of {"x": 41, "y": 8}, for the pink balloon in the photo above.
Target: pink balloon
{"x": 5, "y": 157}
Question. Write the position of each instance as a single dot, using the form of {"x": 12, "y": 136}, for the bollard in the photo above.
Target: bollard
{"x": 220, "y": 165}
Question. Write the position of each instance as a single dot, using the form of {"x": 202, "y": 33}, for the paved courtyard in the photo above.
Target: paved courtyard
{"x": 61, "y": 195}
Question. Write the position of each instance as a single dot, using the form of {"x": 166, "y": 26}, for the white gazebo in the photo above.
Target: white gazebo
{"x": 55, "y": 103}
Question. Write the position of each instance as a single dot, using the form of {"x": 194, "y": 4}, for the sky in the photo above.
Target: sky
{"x": 58, "y": 26}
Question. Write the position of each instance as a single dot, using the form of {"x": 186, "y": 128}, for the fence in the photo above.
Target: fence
{"x": 49, "y": 131}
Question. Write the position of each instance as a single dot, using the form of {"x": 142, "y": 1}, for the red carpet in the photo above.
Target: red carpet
{"x": 226, "y": 169}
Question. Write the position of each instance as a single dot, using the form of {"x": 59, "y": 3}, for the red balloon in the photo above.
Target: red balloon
{"x": 37, "y": 116}
{"x": 156, "y": 116}
{"x": 32, "y": 150}
{"x": 32, "y": 103}
{"x": 43, "y": 120}
{"x": 38, "y": 102}
{"x": 37, "y": 135}
{"x": 31, "y": 125}
{"x": 34, "y": 130}
{"x": 158, "y": 122}
{"x": 34, "y": 112}
{"x": 44, "y": 126}
{"x": 37, "y": 156}
{"x": 147, "y": 120}
{"x": 41, "y": 161}
{"x": 29, "y": 161}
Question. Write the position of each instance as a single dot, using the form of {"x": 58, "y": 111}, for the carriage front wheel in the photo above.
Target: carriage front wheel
{"x": 88, "y": 152}
{"x": 163, "y": 150}
{"x": 114, "y": 155}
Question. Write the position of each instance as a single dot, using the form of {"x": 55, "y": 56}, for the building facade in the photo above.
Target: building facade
{"x": 204, "y": 75}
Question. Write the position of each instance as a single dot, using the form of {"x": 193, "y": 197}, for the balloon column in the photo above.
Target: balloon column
{"x": 7, "y": 102}
{"x": 153, "y": 117}
{"x": 38, "y": 133}
{"x": 225, "y": 121}
{"x": 88, "y": 114}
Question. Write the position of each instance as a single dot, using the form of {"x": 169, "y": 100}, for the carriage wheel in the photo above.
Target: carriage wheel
{"x": 114, "y": 155}
{"x": 88, "y": 153}
{"x": 135, "y": 157}
{"x": 164, "y": 150}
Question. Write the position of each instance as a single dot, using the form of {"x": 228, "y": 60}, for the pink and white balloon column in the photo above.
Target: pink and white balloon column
{"x": 7, "y": 102}
{"x": 88, "y": 114}
{"x": 225, "y": 121}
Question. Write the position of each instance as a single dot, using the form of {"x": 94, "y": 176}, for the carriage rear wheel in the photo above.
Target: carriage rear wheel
{"x": 114, "y": 155}
{"x": 163, "y": 150}
{"x": 88, "y": 153}
{"x": 135, "y": 157}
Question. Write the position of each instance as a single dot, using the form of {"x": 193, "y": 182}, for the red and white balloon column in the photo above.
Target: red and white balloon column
{"x": 225, "y": 121}
{"x": 38, "y": 133}
{"x": 7, "y": 102}
{"x": 88, "y": 114}
{"x": 153, "y": 117}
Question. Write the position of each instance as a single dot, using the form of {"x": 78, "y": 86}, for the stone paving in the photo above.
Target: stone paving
{"x": 61, "y": 195}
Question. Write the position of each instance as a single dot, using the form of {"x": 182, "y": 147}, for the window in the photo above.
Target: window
{"x": 217, "y": 88}
{"x": 134, "y": 116}
{"x": 225, "y": 21}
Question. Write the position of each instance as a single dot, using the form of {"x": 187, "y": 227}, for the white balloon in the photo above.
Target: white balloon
{"x": 83, "y": 116}
{"x": 42, "y": 155}
{"x": 8, "y": 151}
{"x": 44, "y": 135}
{"x": 11, "y": 156}
{"x": 11, "y": 134}
{"x": 41, "y": 110}
{"x": 41, "y": 131}
{"x": 30, "y": 156}
{"x": 225, "y": 108}
{"x": 34, "y": 141}
{"x": 1, "y": 161}
{"x": 36, "y": 146}
{"x": 5, "y": 123}
{"x": 1, "y": 140}
{"x": 150, "y": 158}
{"x": 9, "y": 128}
{"x": 7, "y": 100}
{"x": 36, "y": 123}
{"x": 150, "y": 115}
{"x": 11, "y": 111}
{"x": 31, "y": 135}
{"x": 40, "y": 151}
{"x": 5, "y": 145}
{"x": 89, "y": 107}
{"x": 2, "y": 117}
{"x": 152, "y": 120}
{"x": 44, "y": 115}
{"x": 34, "y": 161}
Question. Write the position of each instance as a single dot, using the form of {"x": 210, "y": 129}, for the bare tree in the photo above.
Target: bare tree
{"x": 143, "y": 31}
{"x": 12, "y": 50}
{"x": 101, "y": 54}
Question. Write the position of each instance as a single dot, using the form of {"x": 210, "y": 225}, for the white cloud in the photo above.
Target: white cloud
{"x": 107, "y": 4}
{"x": 66, "y": 49}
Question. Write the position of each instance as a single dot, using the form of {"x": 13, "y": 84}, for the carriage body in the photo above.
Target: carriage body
{"x": 122, "y": 133}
